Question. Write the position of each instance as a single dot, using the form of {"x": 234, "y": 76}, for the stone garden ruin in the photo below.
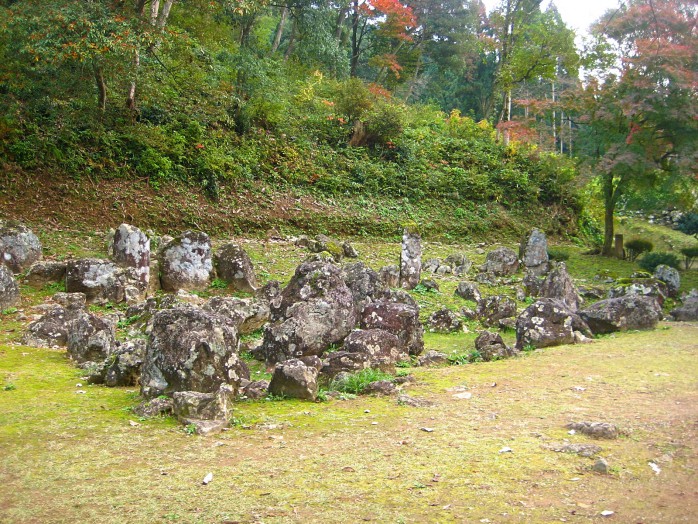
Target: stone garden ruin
{"x": 330, "y": 320}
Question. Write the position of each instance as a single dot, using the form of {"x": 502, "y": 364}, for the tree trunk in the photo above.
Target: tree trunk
{"x": 291, "y": 40}
{"x": 279, "y": 30}
{"x": 354, "y": 40}
{"x": 101, "y": 87}
{"x": 609, "y": 203}
{"x": 164, "y": 14}
{"x": 154, "y": 8}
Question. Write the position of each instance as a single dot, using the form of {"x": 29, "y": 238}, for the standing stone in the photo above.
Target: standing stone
{"x": 558, "y": 284}
{"x": 102, "y": 280}
{"x": 670, "y": 277}
{"x": 501, "y": 262}
{"x": 90, "y": 338}
{"x": 186, "y": 262}
{"x": 131, "y": 248}
{"x": 234, "y": 266}
{"x": 534, "y": 252}
{"x": 399, "y": 318}
{"x": 363, "y": 282}
{"x": 390, "y": 276}
{"x": 19, "y": 247}
{"x": 410, "y": 259}
{"x": 9, "y": 290}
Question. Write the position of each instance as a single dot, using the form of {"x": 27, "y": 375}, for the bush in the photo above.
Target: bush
{"x": 688, "y": 224}
{"x": 636, "y": 247}
{"x": 650, "y": 261}
{"x": 558, "y": 255}
{"x": 689, "y": 254}
{"x": 357, "y": 382}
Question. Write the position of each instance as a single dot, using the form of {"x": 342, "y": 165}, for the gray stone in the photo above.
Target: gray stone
{"x": 548, "y": 322}
{"x": 186, "y": 262}
{"x": 90, "y": 338}
{"x": 583, "y": 450}
{"x": 431, "y": 265}
{"x": 458, "y": 260}
{"x": 19, "y": 247}
{"x": 468, "y": 291}
{"x": 406, "y": 400}
{"x": 444, "y": 321}
{"x": 646, "y": 287}
{"x": 688, "y": 310}
{"x": 154, "y": 407}
{"x": 485, "y": 278}
{"x": 349, "y": 250}
{"x": 491, "y": 346}
{"x": 670, "y": 277}
{"x": 558, "y": 284}
{"x": 256, "y": 390}
{"x": 433, "y": 358}
{"x": 363, "y": 282}
{"x": 600, "y": 466}
{"x": 190, "y": 350}
{"x": 131, "y": 248}
{"x": 621, "y": 314}
{"x": 501, "y": 262}
{"x": 381, "y": 347}
{"x": 51, "y": 329}
{"x": 246, "y": 314}
{"x": 534, "y": 252}
{"x": 601, "y": 430}
{"x": 389, "y": 276}
{"x": 269, "y": 291}
{"x": 103, "y": 281}
{"x": 495, "y": 308}
{"x": 383, "y": 388}
{"x": 294, "y": 379}
{"x": 429, "y": 284}
{"x": 45, "y": 272}
{"x": 216, "y": 405}
{"x": 340, "y": 362}
{"x": 205, "y": 428}
{"x": 398, "y": 318}
{"x": 233, "y": 265}
{"x": 9, "y": 289}
{"x": 123, "y": 366}
{"x": 410, "y": 259}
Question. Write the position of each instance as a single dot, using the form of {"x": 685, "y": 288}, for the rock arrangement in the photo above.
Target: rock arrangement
{"x": 330, "y": 320}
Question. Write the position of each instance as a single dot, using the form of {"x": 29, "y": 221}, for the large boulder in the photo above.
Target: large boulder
{"x": 549, "y": 322}
{"x": 343, "y": 362}
{"x": 131, "y": 248}
{"x": 51, "y": 329}
{"x": 410, "y": 259}
{"x": 45, "y": 272}
{"x": 389, "y": 276}
{"x": 689, "y": 309}
{"x": 623, "y": 313}
{"x": 190, "y": 350}
{"x": 191, "y": 406}
{"x": 400, "y": 319}
{"x": 501, "y": 262}
{"x": 185, "y": 262}
{"x": 363, "y": 282}
{"x": 670, "y": 277}
{"x": 246, "y": 314}
{"x": 495, "y": 308}
{"x": 444, "y": 321}
{"x": 491, "y": 346}
{"x": 293, "y": 378}
{"x": 646, "y": 287}
{"x": 123, "y": 366}
{"x": 468, "y": 291}
{"x": 90, "y": 338}
{"x": 559, "y": 284}
{"x": 9, "y": 289}
{"x": 534, "y": 252}
{"x": 19, "y": 247}
{"x": 103, "y": 281}
{"x": 314, "y": 311}
{"x": 233, "y": 265}
{"x": 381, "y": 347}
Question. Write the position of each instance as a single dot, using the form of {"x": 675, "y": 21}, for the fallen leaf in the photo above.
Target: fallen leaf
{"x": 208, "y": 478}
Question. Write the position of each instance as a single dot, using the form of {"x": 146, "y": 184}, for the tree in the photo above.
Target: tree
{"x": 638, "y": 107}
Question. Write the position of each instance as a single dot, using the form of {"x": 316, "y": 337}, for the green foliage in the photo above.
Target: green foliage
{"x": 356, "y": 383}
{"x": 636, "y": 247}
{"x": 218, "y": 283}
{"x": 690, "y": 254}
{"x": 688, "y": 224}
{"x": 650, "y": 261}
{"x": 558, "y": 255}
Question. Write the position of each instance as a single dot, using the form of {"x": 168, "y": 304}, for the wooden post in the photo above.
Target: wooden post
{"x": 618, "y": 249}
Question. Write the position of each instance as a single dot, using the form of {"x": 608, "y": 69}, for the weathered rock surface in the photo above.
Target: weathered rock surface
{"x": 621, "y": 314}
{"x": 689, "y": 309}
{"x": 19, "y": 247}
{"x": 246, "y": 314}
{"x": 381, "y": 347}
{"x": 495, "y": 308}
{"x": 548, "y": 322}
{"x": 186, "y": 262}
{"x": 559, "y": 284}
{"x": 315, "y": 310}
{"x": 647, "y": 287}
{"x": 468, "y": 291}
{"x": 52, "y": 328}
{"x": 123, "y": 366}
{"x": 233, "y": 265}
{"x": 90, "y": 338}
{"x": 670, "y": 277}
{"x": 256, "y": 390}
{"x": 382, "y": 388}
{"x": 154, "y": 407}
{"x": 444, "y": 321}
{"x": 363, "y": 282}
{"x": 195, "y": 405}
{"x": 400, "y": 319}
{"x": 344, "y": 362}
{"x": 9, "y": 289}
{"x": 534, "y": 252}
{"x": 44, "y": 272}
{"x": 103, "y": 281}
{"x": 190, "y": 350}
{"x": 389, "y": 276}
{"x": 131, "y": 248}
{"x": 595, "y": 429}
{"x": 501, "y": 262}
{"x": 491, "y": 346}
{"x": 410, "y": 259}
{"x": 294, "y": 379}
{"x": 433, "y": 358}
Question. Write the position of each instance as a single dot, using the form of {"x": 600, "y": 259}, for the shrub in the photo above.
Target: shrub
{"x": 558, "y": 255}
{"x": 689, "y": 254}
{"x": 357, "y": 382}
{"x": 688, "y": 224}
{"x": 636, "y": 247}
{"x": 650, "y": 261}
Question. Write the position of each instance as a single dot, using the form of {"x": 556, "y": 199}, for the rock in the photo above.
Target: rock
{"x": 216, "y": 405}
{"x": 410, "y": 259}
{"x": 186, "y": 262}
{"x": 558, "y": 284}
{"x": 593, "y": 293}
{"x": 314, "y": 311}
{"x": 363, "y": 282}
{"x": 548, "y": 322}
{"x": 534, "y": 252}
{"x": 495, "y": 308}
{"x": 600, "y": 466}
{"x": 468, "y": 291}
{"x": 444, "y": 270}
{"x": 131, "y": 248}
{"x": 9, "y": 289}
{"x": 90, "y": 338}
{"x": 406, "y": 400}
{"x": 103, "y": 281}
{"x": 468, "y": 313}
{"x": 206, "y": 428}
{"x": 520, "y": 293}
{"x": 459, "y": 263}
{"x": 294, "y": 379}
{"x": 688, "y": 310}
{"x": 621, "y": 314}
{"x": 349, "y": 250}
{"x": 340, "y": 362}
{"x": 123, "y": 366}
{"x": 507, "y": 323}
{"x": 501, "y": 262}
{"x": 381, "y": 347}
{"x": 397, "y": 296}
{"x": 400, "y": 319}
{"x": 583, "y": 450}
{"x": 433, "y": 358}
{"x": 233, "y": 265}
{"x": 383, "y": 388}
{"x": 647, "y": 287}
{"x": 190, "y": 350}
{"x": 486, "y": 278}
{"x": 51, "y": 329}
{"x": 595, "y": 429}
{"x": 429, "y": 284}
{"x": 444, "y": 321}
{"x": 256, "y": 390}
{"x": 491, "y": 346}
{"x": 154, "y": 407}
{"x": 389, "y": 276}
{"x": 269, "y": 291}
{"x": 19, "y": 247}
{"x": 153, "y": 278}
{"x": 312, "y": 361}
{"x": 45, "y": 272}
{"x": 670, "y": 277}
{"x": 431, "y": 265}
{"x": 246, "y": 314}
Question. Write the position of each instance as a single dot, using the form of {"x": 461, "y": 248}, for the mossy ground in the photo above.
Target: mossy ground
{"x": 68, "y": 457}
